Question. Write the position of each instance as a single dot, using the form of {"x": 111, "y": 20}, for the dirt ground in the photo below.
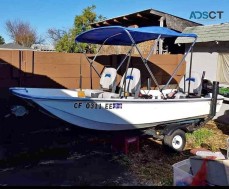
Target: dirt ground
{"x": 38, "y": 150}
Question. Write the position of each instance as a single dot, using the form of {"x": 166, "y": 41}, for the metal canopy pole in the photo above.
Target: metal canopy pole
{"x": 91, "y": 61}
{"x": 124, "y": 84}
{"x": 178, "y": 66}
{"x": 145, "y": 60}
{"x": 91, "y": 75}
{"x": 190, "y": 72}
{"x": 91, "y": 65}
{"x": 80, "y": 73}
{"x": 153, "y": 47}
{"x": 127, "y": 54}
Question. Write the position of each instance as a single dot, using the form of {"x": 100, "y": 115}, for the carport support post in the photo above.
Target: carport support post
{"x": 214, "y": 97}
{"x": 161, "y": 20}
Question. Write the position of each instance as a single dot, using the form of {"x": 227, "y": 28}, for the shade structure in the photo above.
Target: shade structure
{"x": 118, "y": 35}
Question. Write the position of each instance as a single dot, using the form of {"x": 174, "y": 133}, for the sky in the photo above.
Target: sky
{"x": 45, "y": 14}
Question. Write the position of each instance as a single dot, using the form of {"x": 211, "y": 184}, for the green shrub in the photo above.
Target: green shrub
{"x": 224, "y": 91}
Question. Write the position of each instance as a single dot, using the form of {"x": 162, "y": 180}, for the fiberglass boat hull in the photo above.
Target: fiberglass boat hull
{"x": 116, "y": 114}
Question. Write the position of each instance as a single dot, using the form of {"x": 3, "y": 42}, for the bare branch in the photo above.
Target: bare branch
{"x": 21, "y": 32}
{"x": 55, "y": 34}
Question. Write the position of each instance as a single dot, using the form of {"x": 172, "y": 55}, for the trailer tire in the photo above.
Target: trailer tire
{"x": 176, "y": 140}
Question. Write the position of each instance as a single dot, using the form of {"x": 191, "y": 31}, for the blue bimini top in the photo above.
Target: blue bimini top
{"x": 118, "y": 35}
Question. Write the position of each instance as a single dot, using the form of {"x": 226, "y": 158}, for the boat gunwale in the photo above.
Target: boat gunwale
{"x": 142, "y": 100}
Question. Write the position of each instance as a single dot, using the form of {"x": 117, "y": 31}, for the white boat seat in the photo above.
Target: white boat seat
{"x": 107, "y": 83}
{"x": 130, "y": 83}
{"x": 195, "y": 83}
{"x": 108, "y": 79}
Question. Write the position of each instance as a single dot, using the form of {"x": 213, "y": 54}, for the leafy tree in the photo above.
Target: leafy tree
{"x": 2, "y": 41}
{"x": 81, "y": 23}
{"x": 22, "y": 33}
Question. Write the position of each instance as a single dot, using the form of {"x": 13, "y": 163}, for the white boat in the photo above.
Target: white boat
{"x": 132, "y": 107}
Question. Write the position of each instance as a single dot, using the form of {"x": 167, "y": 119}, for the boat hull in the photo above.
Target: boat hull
{"x": 118, "y": 114}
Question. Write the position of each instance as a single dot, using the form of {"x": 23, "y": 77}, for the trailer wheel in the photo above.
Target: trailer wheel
{"x": 176, "y": 140}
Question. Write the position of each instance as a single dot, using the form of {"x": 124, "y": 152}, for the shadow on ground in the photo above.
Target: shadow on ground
{"x": 38, "y": 150}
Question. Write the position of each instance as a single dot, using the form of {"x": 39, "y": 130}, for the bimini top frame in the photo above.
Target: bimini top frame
{"x": 118, "y": 35}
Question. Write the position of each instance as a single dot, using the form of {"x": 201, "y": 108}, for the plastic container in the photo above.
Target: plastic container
{"x": 182, "y": 175}
{"x": 217, "y": 170}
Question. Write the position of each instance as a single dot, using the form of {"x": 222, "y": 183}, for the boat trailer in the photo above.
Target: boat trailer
{"x": 173, "y": 134}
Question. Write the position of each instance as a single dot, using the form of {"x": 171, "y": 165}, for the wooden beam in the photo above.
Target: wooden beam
{"x": 142, "y": 17}
{"x": 115, "y": 20}
{"x": 106, "y": 23}
{"x": 156, "y": 13}
{"x": 139, "y": 15}
{"x": 97, "y": 24}
{"x": 125, "y": 18}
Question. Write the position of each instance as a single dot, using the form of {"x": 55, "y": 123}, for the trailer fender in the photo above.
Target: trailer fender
{"x": 170, "y": 129}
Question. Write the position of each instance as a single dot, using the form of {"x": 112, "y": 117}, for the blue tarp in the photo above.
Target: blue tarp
{"x": 117, "y": 35}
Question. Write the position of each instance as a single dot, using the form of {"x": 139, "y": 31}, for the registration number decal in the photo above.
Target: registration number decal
{"x": 94, "y": 105}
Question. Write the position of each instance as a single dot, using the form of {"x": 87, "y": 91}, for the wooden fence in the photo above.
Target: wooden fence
{"x": 62, "y": 70}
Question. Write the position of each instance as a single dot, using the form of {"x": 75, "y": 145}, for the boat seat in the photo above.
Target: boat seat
{"x": 195, "y": 83}
{"x": 107, "y": 83}
{"x": 130, "y": 83}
